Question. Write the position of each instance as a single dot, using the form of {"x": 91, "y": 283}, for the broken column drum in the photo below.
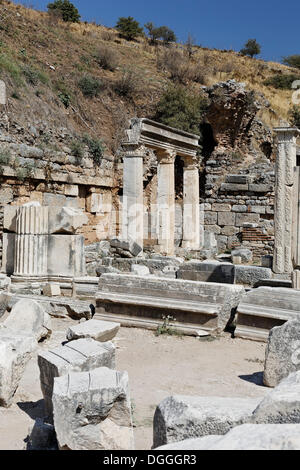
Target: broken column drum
{"x": 31, "y": 242}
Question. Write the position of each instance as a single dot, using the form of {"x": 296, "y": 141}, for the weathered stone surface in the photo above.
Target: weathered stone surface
{"x": 129, "y": 247}
{"x": 282, "y": 352}
{"x": 207, "y": 271}
{"x": 27, "y": 317}
{"x": 260, "y": 437}
{"x": 98, "y": 330}
{"x": 180, "y": 417}
{"x": 51, "y": 290}
{"x": 5, "y": 281}
{"x": 265, "y": 307}
{"x": 212, "y": 303}
{"x": 244, "y": 253}
{"x": 140, "y": 270}
{"x": 66, "y": 255}
{"x": 226, "y": 218}
{"x": 92, "y": 411}
{"x": 78, "y": 356}
{"x": 200, "y": 443}
{"x": 249, "y": 275}
{"x": 241, "y": 219}
{"x": 237, "y": 179}
{"x": 282, "y": 404}
{"x": 15, "y": 352}
{"x": 65, "y": 219}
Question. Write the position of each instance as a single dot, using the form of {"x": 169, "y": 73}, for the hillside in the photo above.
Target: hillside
{"x": 43, "y": 59}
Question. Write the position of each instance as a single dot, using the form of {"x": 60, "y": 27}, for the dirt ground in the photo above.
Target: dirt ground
{"x": 158, "y": 366}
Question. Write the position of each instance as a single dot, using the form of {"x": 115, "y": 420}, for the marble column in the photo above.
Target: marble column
{"x": 133, "y": 209}
{"x": 166, "y": 200}
{"x": 191, "y": 207}
{"x": 296, "y": 230}
{"x": 283, "y": 214}
{"x": 31, "y": 243}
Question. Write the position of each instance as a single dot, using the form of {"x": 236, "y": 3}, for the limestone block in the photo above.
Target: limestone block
{"x": 140, "y": 270}
{"x": 237, "y": 179}
{"x": 282, "y": 404}
{"x": 5, "y": 281}
{"x": 232, "y": 187}
{"x": 51, "y": 290}
{"x": 207, "y": 271}
{"x": 71, "y": 190}
{"x": 28, "y": 317}
{"x": 226, "y": 218}
{"x": 219, "y": 207}
{"x": 10, "y": 217}
{"x": 267, "y": 261}
{"x": 260, "y": 437}
{"x": 15, "y": 352}
{"x": 241, "y": 219}
{"x": 98, "y": 330}
{"x": 249, "y": 275}
{"x": 6, "y": 195}
{"x": 80, "y": 355}
{"x": 66, "y": 255}
{"x": 239, "y": 208}
{"x": 282, "y": 352}
{"x": 99, "y": 203}
{"x": 244, "y": 253}
{"x": 126, "y": 246}
{"x": 210, "y": 218}
{"x": 92, "y": 411}
{"x": 66, "y": 220}
{"x": 261, "y": 188}
{"x": 2, "y": 93}
{"x": 181, "y": 417}
{"x": 200, "y": 443}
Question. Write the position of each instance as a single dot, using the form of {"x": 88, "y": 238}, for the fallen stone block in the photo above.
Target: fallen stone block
{"x": 282, "y": 404}
{"x": 78, "y": 356}
{"x": 263, "y": 308}
{"x": 260, "y": 437}
{"x": 249, "y": 275}
{"x": 244, "y": 253}
{"x": 126, "y": 247}
{"x": 65, "y": 220}
{"x": 28, "y": 317}
{"x": 51, "y": 290}
{"x": 207, "y": 271}
{"x": 210, "y": 306}
{"x": 92, "y": 411}
{"x": 181, "y": 417}
{"x": 15, "y": 352}
{"x": 98, "y": 330}
{"x": 282, "y": 352}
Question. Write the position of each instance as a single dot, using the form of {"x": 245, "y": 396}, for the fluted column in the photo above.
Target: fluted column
{"x": 191, "y": 208}
{"x": 283, "y": 214}
{"x": 31, "y": 243}
{"x": 166, "y": 200}
{"x": 133, "y": 209}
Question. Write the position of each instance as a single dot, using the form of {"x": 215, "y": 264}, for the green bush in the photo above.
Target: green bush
{"x": 181, "y": 109}
{"x": 129, "y": 28}
{"x": 251, "y": 48}
{"x": 282, "y": 82}
{"x": 90, "y": 86}
{"x": 77, "y": 149}
{"x": 162, "y": 32}
{"x": 24, "y": 171}
{"x": 65, "y": 9}
{"x": 34, "y": 76}
{"x": 294, "y": 115}
{"x": 96, "y": 148}
{"x": 292, "y": 61}
{"x": 65, "y": 98}
{"x": 8, "y": 64}
{"x": 5, "y": 157}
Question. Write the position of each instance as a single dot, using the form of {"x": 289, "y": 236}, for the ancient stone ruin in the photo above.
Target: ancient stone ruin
{"x": 165, "y": 238}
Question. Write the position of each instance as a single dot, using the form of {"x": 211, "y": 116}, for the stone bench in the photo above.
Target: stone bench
{"x": 265, "y": 307}
{"x": 143, "y": 301}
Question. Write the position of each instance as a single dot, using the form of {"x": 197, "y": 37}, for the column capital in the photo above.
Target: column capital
{"x": 133, "y": 149}
{"x": 286, "y": 133}
{"x": 167, "y": 155}
{"x": 191, "y": 162}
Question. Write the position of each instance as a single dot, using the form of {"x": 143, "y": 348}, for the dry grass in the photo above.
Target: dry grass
{"x": 66, "y": 52}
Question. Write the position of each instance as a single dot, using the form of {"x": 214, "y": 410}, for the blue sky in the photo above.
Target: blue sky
{"x": 216, "y": 24}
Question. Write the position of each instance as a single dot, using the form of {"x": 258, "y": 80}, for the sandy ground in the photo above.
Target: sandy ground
{"x": 158, "y": 367}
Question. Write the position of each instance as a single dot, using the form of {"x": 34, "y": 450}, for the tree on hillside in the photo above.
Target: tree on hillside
{"x": 190, "y": 42}
{"x": 182, "y": 109}
{"x": 162, "y": 32}
{"x": 129, "y": 28}
{"x": 65, "y": 9}
{"x": 251, "y": 48}
{"x": 292, "y": 61}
